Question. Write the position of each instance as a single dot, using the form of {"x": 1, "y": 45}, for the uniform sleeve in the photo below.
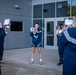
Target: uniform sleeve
{"x": 56, "y": 32}
{"x": 39, "y": 34}
{"x": 2, "y": 33}
{"x": 63, "y": 40}
{"x": 31, "y": 34}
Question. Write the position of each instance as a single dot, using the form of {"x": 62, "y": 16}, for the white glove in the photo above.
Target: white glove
{"x": 6, "y": 32}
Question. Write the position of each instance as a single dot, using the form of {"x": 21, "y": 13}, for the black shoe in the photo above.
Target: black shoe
{"x": 1, "y": 62}
{"x": 1, "y": 65}
{"x": 60, "y": 63}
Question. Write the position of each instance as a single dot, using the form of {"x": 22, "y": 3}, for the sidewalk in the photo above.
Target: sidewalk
{"x": 17, "y": 60}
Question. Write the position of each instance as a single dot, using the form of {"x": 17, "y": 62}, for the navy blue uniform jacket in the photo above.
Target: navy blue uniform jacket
{"x": 68, "y": 39}
{"x": 2, "y": 36}
{"x": 36, "y": 37}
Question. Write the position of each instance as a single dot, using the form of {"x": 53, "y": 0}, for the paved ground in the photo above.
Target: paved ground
{"x": 17, "y": 63}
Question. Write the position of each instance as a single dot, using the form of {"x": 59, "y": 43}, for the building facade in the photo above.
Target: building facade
{"x": 50, "y": 13}
{"x": 25, "y": 13}
{"x": 20, "y": 13}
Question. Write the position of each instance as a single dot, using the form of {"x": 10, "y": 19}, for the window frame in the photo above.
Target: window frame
{"x": 22, "y": 26}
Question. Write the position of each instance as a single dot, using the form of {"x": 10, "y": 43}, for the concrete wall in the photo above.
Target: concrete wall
{"x": 24, "y": 14}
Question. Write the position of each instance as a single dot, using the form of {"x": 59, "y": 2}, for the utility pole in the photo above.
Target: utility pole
{"x": 70, "y": 8}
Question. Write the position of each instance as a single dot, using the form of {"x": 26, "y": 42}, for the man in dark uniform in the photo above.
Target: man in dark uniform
{"x": 60, "y": 47}
{"x": 2, "y": 36}
{"x": 68, "y": 40}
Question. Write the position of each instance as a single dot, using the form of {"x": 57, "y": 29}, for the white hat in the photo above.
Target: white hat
{"x": 68, "y": 22}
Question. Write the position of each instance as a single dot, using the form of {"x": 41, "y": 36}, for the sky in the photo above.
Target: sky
{"x": 73, "y": 2}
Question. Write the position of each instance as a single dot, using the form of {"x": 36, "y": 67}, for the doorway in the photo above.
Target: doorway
{"x": 50, "y": 38}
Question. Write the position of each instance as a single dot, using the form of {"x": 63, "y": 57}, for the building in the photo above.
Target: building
{"x": 25, "y": 13}
{"x": 20, "y": 13}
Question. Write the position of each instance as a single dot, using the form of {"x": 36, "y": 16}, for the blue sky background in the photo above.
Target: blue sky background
{"x": 73, "y": 2}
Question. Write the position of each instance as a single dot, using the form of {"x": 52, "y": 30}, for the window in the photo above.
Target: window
{"x": 73, "y": 7}
{"x": 16, "y": 26}
{"x": 50, "y": 33}
{"x": 37, "y": 11}
{"x": 61, "y": 9}
{"x": 50, "y": 27}
{"x": 73, "y": 11}
{"x": 49, "y": 10}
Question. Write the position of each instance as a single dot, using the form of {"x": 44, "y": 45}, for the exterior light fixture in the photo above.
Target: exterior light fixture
{"x": 17, "y": 7}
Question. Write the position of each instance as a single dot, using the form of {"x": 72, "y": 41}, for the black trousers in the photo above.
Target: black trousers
{"x": 0, "y": 70}
{"x": 1, "y": 52}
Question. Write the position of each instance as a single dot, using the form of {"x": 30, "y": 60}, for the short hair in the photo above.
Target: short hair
{"x": 37, "y": 23}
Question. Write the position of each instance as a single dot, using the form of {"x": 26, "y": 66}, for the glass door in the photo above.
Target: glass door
{"x": 49, "y": 34}
{"x": 50, "y": 38}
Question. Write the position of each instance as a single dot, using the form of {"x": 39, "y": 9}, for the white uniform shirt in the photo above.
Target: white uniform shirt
{"x": 58, "y": 31}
